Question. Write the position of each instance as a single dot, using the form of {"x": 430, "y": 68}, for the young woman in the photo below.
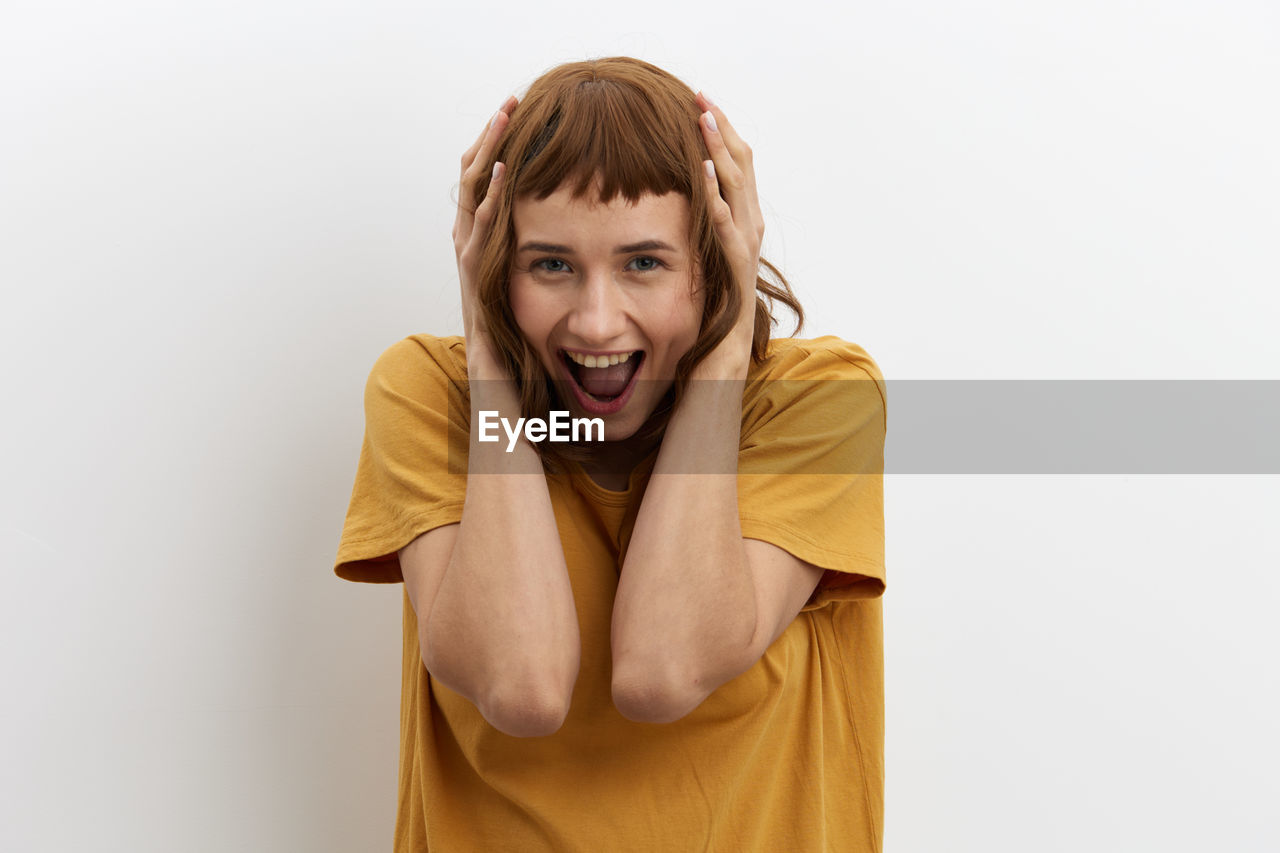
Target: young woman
{"x": 667, "y": 637}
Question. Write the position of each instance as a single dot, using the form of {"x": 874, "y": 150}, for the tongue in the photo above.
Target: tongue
{"x": 607, "y": 381}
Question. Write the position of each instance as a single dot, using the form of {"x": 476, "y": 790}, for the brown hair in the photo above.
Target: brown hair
{"x": 629, "y": 128}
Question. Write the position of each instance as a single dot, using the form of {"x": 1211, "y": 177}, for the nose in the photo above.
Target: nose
{"x": 598, "y": 316}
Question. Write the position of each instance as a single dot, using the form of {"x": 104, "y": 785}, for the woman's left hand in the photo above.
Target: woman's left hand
{"x": 737, "y": 219}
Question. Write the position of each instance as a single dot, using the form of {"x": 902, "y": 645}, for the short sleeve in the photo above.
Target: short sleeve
{"x": 811, "y": 464}
{"x": 415, "y": 403}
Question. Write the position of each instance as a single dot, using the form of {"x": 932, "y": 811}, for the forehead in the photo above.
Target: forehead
{"x": 561, "y": 215}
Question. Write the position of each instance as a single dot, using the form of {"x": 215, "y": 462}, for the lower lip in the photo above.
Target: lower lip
{"x": 595, "y": 407}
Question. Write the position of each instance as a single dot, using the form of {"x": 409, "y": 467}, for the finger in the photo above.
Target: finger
{"x": 721, "y": 214}
{"x": 468, "y": 254}
{"x": 732, "y": 239}
{"x": 732, "y": 179}
{"x": 461, "y": 222}
{"x": 471, "y": 175}
{"x": 704, "y": 103}
{"x": 484, "y": 213}
{"x": 470, "y": 154}
{"x": 741, "y": 152}
{"x": 488, "y": 142}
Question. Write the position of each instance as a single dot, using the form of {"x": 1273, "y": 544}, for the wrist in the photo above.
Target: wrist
{"x": 730, "y": 359}
{"x": 483, "y": 363}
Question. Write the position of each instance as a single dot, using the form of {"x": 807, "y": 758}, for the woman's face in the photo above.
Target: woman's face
{"x": 600, "y": 282}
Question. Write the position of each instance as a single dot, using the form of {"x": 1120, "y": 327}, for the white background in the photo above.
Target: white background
{"x": 214, "y": 217}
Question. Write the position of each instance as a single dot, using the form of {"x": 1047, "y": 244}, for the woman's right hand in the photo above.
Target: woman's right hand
{"x": 471, "y": 227}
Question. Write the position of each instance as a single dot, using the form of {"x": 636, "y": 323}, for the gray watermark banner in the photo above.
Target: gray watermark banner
{"x": 975, "y": 426}
{"x": 1086, "y": 426}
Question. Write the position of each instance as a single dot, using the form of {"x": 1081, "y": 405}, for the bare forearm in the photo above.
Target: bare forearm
{"x": 685, "y": 584}
{"x": 503, "y": 629}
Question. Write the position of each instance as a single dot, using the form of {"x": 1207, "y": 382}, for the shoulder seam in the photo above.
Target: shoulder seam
{"x": 843, "y": 356}
{"x": 884, "y": 403}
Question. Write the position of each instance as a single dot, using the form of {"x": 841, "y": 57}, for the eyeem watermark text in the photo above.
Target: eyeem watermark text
{"x": 560, "y": 428}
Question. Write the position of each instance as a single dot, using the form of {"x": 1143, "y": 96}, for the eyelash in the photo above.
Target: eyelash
{"x": 657, "y": 264}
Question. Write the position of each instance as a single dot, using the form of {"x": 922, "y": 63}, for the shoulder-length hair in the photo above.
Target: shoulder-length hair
{"x": 625, "y": 127}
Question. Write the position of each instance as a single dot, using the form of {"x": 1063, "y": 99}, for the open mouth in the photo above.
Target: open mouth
{"x": 603, "y": 380}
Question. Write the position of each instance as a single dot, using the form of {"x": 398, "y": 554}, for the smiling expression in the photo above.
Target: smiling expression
{"x": 607, "y": 280}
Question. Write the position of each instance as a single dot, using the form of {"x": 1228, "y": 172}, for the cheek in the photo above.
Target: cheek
{"x": 523, "y": 307}
{"x": 681, "y": 317}
{"x": 534, "y": 319}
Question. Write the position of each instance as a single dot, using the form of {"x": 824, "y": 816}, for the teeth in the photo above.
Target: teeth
{"x": 599, "y": 361}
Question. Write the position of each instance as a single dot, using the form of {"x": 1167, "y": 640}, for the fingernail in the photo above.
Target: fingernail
{"x": 497, "y": 170}
{"x": 711, "y": 121}
{"x": 707, "y": 98}
{"x": 710, "y": 167}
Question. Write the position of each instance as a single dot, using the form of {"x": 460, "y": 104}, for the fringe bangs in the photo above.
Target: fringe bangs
{"x": 607, "y": 131}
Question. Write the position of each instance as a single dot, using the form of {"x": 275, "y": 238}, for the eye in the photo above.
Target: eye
{"x": 646, "y": 263}
{"x": 551, "y": 265}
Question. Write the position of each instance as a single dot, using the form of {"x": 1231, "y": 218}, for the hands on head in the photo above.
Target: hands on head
{"x": 471, "y": 226}
{"x": 735, "y": 209}
{"x": 733, "y": 203}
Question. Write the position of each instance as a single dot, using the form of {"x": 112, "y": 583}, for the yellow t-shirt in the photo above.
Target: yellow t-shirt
{"x": 788, "y": 756}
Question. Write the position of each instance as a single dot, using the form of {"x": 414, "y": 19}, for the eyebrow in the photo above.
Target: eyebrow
{"x": 642, "y": 246}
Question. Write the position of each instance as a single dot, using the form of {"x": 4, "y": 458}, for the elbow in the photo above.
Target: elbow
{"x": 648, "y": 699}
{"x": 521, "y": 705}
{"x": 672, "y": 685}
{"x": 525, "y": 712}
